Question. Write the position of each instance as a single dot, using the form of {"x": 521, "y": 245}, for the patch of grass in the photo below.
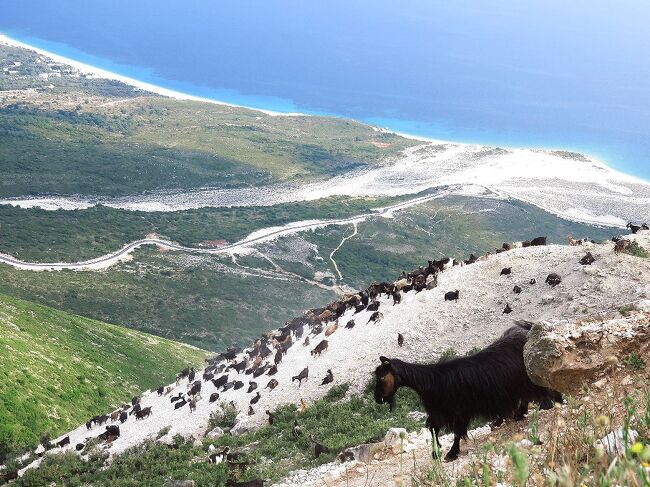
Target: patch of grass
{"x": 626, "y": 309}
{"x": 57, "y": 369}
{"x": 337, "y": 392}
{"x": 636, "y": 250}
{"x": 634, "y": 361}
{"x": 449, "y": 353}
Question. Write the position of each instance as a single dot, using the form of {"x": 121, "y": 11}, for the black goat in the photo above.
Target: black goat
{"x": 553, "y": 279}
{"x": 350, "y": 324}
{"x": 303, "y": 375}
{"x": 506, "y": 271}
{"x": 491, "y": 383}
{"x": 452, "y": 295}
{"x": 538, "y": 241}
{"x": 633, "y": 228}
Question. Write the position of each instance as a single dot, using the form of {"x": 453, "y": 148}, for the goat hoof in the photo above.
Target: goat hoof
{"x": 450, "y": 457}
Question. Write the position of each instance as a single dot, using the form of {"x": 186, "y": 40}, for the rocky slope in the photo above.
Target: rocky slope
{"x": 430, "y": 325}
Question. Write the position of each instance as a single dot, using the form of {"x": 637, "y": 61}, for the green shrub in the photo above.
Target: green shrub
{"x": 634, "y": 361}
{"x": 337, "y": 392}
{"x": 636, "y": 250}
{"x": 449, "y": 353}
{"x": 224, "y": 417}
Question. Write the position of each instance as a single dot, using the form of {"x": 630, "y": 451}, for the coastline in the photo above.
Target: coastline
{"x": 150, "y": 87}
{"x": 89, "y": 69}
{"x": 143, "y": 85}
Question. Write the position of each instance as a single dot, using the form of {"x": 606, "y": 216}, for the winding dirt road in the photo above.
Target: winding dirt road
{"x": 256, "y": 237}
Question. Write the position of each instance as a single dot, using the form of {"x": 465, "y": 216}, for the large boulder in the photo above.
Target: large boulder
{"x": 566, "y": 356}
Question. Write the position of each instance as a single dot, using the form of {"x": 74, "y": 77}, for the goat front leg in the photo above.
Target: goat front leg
{"x": 453, "y": 452}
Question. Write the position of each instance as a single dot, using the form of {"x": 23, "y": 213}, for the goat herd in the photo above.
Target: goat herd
{"x": 500, "y": 387}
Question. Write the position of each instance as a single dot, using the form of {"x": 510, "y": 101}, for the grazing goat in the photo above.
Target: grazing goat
{"x": 271, "y": 417}
{"x": 123, "y": 417}
{"x": 191, "y": 375}
{"x": 272, "y": 384}
{"x": 621, "y": 245}
{"x": 452, "y": 295}
{"x": 193, "y": 402}
{"x": 373, "y": 306}
{"x": 506, "y": 271}
{"x": 306, "y": 342}
{"x": 320, "y": 348}
{"x": 507, "y": 309}
{"x": 397, "y": 298}
{"x": 180, "y": 403}
{"x": 278, "y": 357}
{"x": 516, "y": 290}
{"x": 143, "y": 413}
{"x": 331, "y": 329}
{"x": 296, "y": 431}
{"x": 161, "y": 390}
{"x": 573, "y": 242}
{"x": 588, "y": 259}
{"x": 238, "y": 385}
{"x": 65, "y": 441}
{"x": 220, "y": 381}
{"x": 376, "y": 316}
{"x": 633, "y": 228}
{"x": 213, "y": 397}
{"x": 303, "y": 375}
{"x": 553, "y": 279}
{"x": 538, "y": 241}
{"x": 329, "y": 377}
{"x": 273, "y": 370}
{"x": 251, "y": 387}
{"x": 491, "y": 383}
{"x": 260, "y": 370}
{"x": 318, "y": 448}
{"x": 350, "y": 324}
{"x": 256, "y": 398}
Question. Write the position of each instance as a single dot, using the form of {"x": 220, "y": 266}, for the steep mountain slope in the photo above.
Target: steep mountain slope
{"x": 430, "y": 326}
{"x": 58, "y": 369}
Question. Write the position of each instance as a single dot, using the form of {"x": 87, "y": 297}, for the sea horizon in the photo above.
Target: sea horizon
{"x": 147, "y": 80}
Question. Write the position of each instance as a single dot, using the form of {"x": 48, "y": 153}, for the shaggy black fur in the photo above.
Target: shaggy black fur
{"x": 489, "y": 384}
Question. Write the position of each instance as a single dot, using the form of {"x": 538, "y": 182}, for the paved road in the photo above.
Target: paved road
{"x": 257, "y": 237}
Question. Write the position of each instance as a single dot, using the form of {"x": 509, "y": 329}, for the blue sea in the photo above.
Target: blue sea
{"x": 548, "y": 73}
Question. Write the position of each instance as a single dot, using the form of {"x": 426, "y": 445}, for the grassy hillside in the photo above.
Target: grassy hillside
{"x": 58, "y": 369}
{"x": 76, "y": 135}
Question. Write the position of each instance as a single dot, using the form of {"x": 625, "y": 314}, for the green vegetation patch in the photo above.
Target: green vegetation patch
{"x": 37, "y": 235}
{"x": 272, "y": 450}
{"x": 206, "y": 301}
{"x": 637, "y": 250}
{"x": 74, "y": 135}
{"x": 57, "y": 369}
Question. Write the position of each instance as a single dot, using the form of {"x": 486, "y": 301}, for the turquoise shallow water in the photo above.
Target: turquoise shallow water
{"x": 539, "y": 74}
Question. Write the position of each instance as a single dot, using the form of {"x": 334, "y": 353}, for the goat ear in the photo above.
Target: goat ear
{"x": 384, "y": 360}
